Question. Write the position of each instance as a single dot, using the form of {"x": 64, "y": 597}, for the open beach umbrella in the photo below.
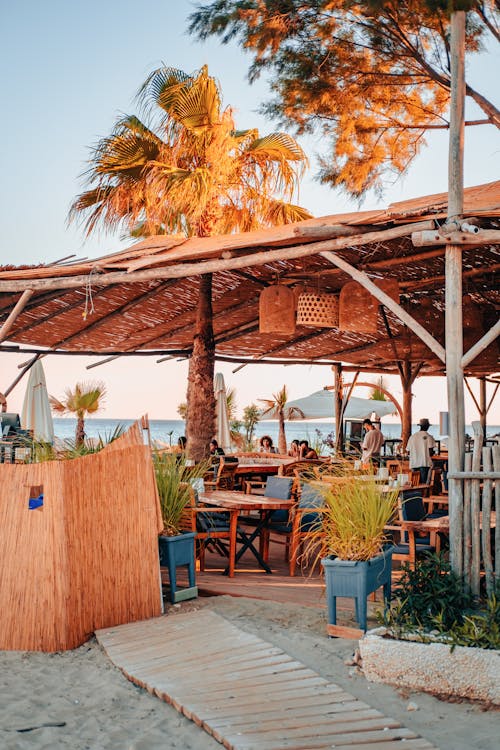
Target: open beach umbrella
{"x": 222, "y": 434}
{"x": 321, "y": 405}
{"x": 36, "y": 414}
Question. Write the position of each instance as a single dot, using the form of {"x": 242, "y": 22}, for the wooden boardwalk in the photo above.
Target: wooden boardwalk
{"x": 246, "y": 693}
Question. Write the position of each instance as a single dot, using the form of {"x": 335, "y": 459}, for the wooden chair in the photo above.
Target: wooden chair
{"x": 305, "y": 523}
{"x": 211, "y": 525}
{"x": 224, "y": 474}
{"x": 414, "y": 477}
{"x": 281, "y": 488}
{"x": 411, "y": 507}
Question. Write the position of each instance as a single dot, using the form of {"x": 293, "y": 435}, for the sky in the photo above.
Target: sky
{"x": 69, "y": 70}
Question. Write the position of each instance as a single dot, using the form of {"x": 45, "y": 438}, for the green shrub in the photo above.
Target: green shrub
{"x": 431, "y": 602}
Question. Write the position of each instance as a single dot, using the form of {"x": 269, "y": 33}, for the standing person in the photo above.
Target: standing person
{"x": 372, "y": 443}
{"x": 421, "y": 446}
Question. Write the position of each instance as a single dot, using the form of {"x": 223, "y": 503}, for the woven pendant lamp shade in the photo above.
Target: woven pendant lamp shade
{"x": 277, "y": 310}
{"x": 358, "y": 309}
{"x": 318, "y": 310}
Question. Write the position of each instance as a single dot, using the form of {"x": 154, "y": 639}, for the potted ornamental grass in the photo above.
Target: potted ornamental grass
{"x": 175, "y": 479}
{"x": 355, "y": 544}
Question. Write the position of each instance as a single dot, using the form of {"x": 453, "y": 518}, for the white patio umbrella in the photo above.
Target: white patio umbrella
{"x": 222, "y": 433}
{"x": 321, "y": 405}
{"x": 36, "y": 414}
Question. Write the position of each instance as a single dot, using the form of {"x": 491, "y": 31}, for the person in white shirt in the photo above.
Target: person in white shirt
{"x": 372, "y": 443}
{"x": 421, "y": 446}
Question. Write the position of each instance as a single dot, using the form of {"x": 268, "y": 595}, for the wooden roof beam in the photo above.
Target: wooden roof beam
{"x": 185, "y": 270}
{"x": 435, "y": 237}
{"x": 388, "y": 302}
{"x": 481, "y": 345}
{"x": 15, "y": 313}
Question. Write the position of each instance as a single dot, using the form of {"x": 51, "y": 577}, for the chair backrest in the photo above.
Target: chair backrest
{"x": 311, "y": 497}
{"x": 279, "y": 487}
{"x": 226, "y": 473}
{"x": 412, "y": 506}
{"x": 414, "y": 477}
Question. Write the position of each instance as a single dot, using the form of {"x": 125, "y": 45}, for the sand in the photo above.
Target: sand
{"x": 79, "y": 700}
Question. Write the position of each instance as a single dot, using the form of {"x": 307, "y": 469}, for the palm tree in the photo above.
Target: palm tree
{"x": 277, "y": 408}
{"x": 187, "y": 169}
{"x": 86, "y": 398}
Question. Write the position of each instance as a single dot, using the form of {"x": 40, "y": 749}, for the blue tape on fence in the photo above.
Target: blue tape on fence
{"x": 35, "y": 502}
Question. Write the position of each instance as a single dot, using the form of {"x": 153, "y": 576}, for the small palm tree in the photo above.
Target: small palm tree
{"x": 84, "y": 399}
{"x": 377, "y": 392}
{"x": 276, "y": 408}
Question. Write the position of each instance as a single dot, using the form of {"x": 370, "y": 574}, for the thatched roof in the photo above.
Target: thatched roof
{"x": 144, "y": 297}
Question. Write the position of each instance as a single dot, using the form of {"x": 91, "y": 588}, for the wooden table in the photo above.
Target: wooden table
{"x": 235, "y": 503}
{"x": 430, "y": 525}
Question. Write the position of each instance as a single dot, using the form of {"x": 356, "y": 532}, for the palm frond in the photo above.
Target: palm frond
{"x": 278, "y": 147}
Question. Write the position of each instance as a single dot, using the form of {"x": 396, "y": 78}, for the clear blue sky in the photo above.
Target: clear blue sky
{"x": 68, "y": 70}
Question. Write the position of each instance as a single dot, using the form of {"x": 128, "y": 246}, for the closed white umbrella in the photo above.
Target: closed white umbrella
{"x": 36, "y": 414}
{"x": 222, "y": 434}
{"x": 321, "y": 405}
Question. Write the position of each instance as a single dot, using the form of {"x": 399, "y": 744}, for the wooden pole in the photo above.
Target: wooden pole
{"x": 483, "y": 410}
{"x": 186, "y": 270}
{"x": 406, "y": 383}
{"x": 338, "y": 384}
{"x": 388, "y": 302}
{"x": 16, "y": 311}
{"x": 453, "y": 291}
{"x": 27, "y": 367}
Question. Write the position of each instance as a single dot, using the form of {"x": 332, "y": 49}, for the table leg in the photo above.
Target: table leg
{"x": 247, "y": 542}
{"x": 233, "y": 523}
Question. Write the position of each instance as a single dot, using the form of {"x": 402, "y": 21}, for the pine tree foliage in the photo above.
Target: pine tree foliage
{"x": 371, "y": 76}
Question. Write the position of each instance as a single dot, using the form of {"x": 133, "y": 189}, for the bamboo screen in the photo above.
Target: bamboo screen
{"x": 86, "y": 559}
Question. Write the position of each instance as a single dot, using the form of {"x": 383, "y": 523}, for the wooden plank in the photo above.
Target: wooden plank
{"x": 342, "y": 631}
{"x": 409, "y": 744}
{"x": 243, "y": 691}
{"x": 370, "y": 738}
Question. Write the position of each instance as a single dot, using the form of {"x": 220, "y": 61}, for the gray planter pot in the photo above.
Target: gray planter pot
{"x": 356, "y": 580}
{"x": 174, "y": 552}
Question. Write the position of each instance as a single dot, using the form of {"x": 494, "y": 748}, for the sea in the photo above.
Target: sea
{"x": 169, "y": 430}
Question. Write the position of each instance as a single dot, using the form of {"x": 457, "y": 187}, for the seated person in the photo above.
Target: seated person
{"x": 294, "y": 449}
{"x": 214, "y": 448}
{"x": 266, "y": 445}
{"x": 180, "y": 449}
{"x": 306, "y": 452}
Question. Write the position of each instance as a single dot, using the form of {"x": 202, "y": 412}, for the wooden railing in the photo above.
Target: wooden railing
{"x": 481, "y": 493}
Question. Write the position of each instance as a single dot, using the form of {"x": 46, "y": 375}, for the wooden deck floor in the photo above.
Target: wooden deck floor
{"x": 305, "y": 589}
{"x": 245, "y": 692}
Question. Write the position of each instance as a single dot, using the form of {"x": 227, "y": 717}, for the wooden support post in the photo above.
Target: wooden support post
{"x": 339, "y": 430}
{"x": 496, "y": 467}
{"x": 483, "y": 410}
{"x": 475, "y": 509}
{"x": 453, "y": 291}
{"x": 486, "y": 517}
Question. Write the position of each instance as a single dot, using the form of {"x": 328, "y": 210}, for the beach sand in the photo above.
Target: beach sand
{"x": 79, "y": 700}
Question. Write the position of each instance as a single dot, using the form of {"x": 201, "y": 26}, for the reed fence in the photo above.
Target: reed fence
{"x": 87, "y": 558}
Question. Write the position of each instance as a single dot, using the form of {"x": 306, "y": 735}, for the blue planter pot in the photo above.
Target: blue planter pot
{"x": 175, "y": 551}
{"x": 357, "y": 580}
